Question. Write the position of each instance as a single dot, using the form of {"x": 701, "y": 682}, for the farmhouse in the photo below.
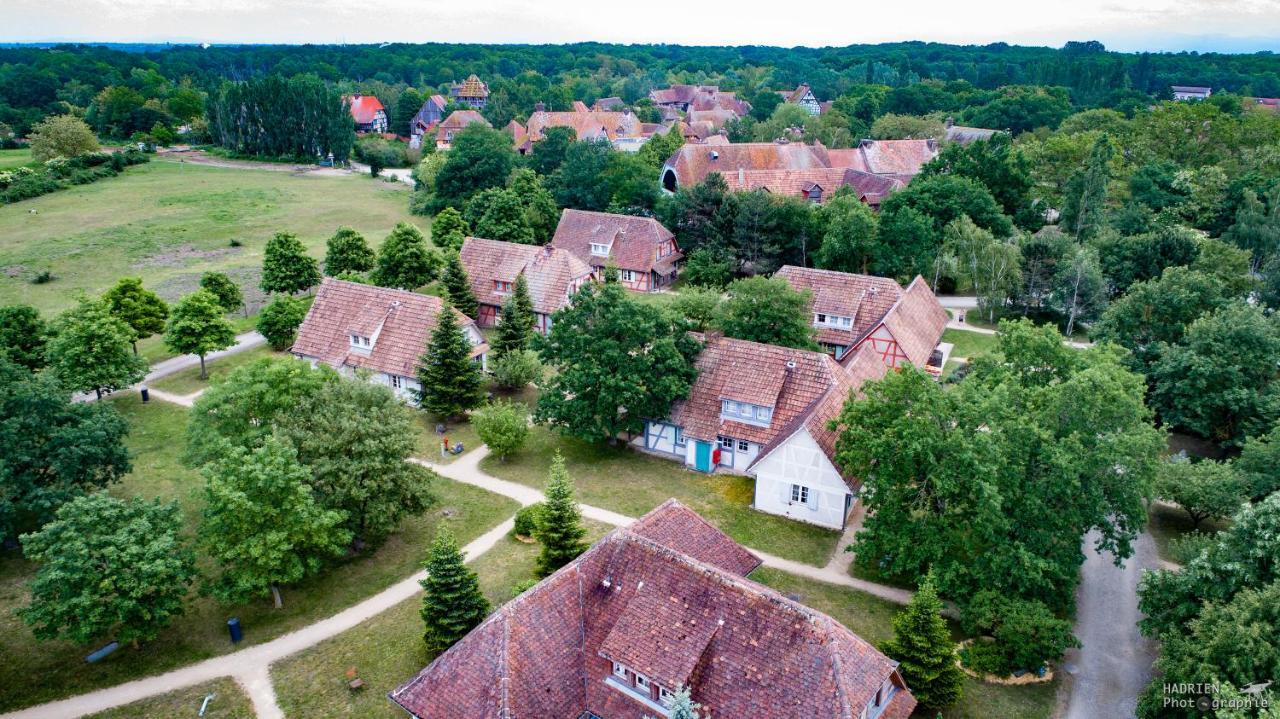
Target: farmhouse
{"x": 453, "y": 124}
{"x": 652, "y": 607}
{"x": 470, "y": 92}
{"x": 964, "y": 135}
{"x": 621, "y": 128}
{"x": 761, "y": 410}
{"x": 1191, "y": 92}
{"x": 368, "y": 113}
{"x": 353, "y": 327}
{"x": 683, "y": 98}
{"x": 644, "y": 251}
{"x": 852, "y": 311}
{"x": 552, "y": 274}
{"x": 804, "y": 97}
{"x": 897, "y": 159}
{"x": 816, "y": 185}
{"x": 424, "y": 122}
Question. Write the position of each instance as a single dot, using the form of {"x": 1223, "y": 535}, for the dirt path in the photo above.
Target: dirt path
{"x": 200, "y": 157}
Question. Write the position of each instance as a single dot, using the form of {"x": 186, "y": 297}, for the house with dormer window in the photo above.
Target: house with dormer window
{"x": 492, "y": 266}
{"x": 645, "y": 252}
{"x": 376, "y": 332}
{"x": 652, "y": 607}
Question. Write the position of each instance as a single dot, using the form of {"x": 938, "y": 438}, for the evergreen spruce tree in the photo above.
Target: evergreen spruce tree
{"x": 286, "y": 267}
{"x": 347, "y": 251}
{"x": 451, "y": 382}
{"x": 560, "y": 530}
{"x": 922, "y": 643}
{"x": 515, "y": 329}
{"x": 458, "y": 287}
{"x": 452, "y": 603}
{"x": 682, "y": 706}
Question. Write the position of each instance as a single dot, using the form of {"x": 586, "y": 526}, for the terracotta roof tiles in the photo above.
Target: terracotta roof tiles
{"x": 635, "y": 243}
{"x": 553, "y": 275}
{"x": 864, "y": 299}
{"x": 364, "y": 108}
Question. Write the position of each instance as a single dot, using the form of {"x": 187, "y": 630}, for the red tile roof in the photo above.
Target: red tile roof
{"x": 674, "y": 525}
{"x": 586, "y": 124}
{"x": 634, "y": 241}
{"x": 745, "y": 650}
{"x": 865, "y": 366}
{"x": 692, "y": 163}
{"x": 917, "y": 322}
{"x": 553, "y": 275}
{"x": 364, "y": 108}
{"x": 865, "y": 299}
{"x": 871, "y": 189}
{"x": 398, "y": 322}
{"x": 896, "y": 158}
{"x": 457, "y": 120}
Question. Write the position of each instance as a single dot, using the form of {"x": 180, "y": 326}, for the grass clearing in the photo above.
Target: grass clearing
{"x": 10, "y": 159}
{"x": 387, "y": 650}
{"x": 229, "y": 702}
{"x": 188, "y": 380}
{"x": 632, "y": 483}
{"x": 170, "y": 222}
{"x": 157, "y": 440}
{"x": 969, "y": 344}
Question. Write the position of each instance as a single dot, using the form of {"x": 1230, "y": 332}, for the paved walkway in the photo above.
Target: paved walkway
{"x": 174, "y": 365}
{"x": 842, "y": 560}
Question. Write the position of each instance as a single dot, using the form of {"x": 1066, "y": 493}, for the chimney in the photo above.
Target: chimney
{"x": 742, "y": 176}
{"x": 539, "y": 107}
{"x": 950, "y": 121}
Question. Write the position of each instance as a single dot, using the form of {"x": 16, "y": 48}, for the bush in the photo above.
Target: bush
{"x": 517, "y": 368}
{"x": 43, "y": 277}
{"x": 1189, "y": 546}
{"x": 706, "y": 267}
{"x": 527, "y": 520}
{"x": 523, "y": 586}
{"x": 984, "y": 657}
{"x": 1027, "y": 635}
{"x": 504, "y": 426}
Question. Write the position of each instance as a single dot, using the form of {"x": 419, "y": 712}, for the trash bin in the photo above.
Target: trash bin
{"x": 102, "y": 653}
{"x": 233, "y": 628}
{"x": 146, "y": 394}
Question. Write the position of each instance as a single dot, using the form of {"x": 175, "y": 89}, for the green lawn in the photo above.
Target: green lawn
{"x": 228, "y": 702}
{"x": 429, "y": 442}
{"x": 387, "y": 650}
{"x": 871, "y": 618}
{"x": 632, "y": 483}
{"x": 168, "y": 223}
{"x": 10, "y": 159}
{"x": 156, "y": 438}
{"x": 188, "y": 380}
{"x": 969, "y": 344}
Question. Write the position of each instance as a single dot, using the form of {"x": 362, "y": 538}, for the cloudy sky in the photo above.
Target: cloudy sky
{"x": 1224, "y": 25}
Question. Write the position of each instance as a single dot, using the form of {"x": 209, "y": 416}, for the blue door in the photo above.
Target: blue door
{"x": 702, "y": 456}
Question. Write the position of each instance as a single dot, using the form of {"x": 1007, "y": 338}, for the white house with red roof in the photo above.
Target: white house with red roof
{"x": 368, "y": 113}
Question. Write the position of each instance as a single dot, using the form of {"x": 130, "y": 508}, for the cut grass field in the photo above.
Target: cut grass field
{"x": 969, "y": 344}
{"x": 632, "y": 483}
{"x": 188, "y": 380}
{"x": 168, "y": 223}
{"x": 228, "y": 702}
{"x": 157, "y": 440}
{"x": 387, "y": 650}
{"x": 10, "y": 159}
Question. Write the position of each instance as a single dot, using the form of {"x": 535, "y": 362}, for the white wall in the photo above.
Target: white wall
{"x": 799, "y": 460}
{"x": 738, "y": 460}
{"x": 661, "y": 437}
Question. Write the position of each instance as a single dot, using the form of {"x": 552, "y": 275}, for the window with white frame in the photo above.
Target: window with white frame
{"x": 643, "y": 683}
{"x": 665, "y": 696}
{"x": 743, "y": 445}
{"x": 744, "y": 412}
{"x": 359, "y": 341}
{"x": 599, "y": 249}
{"x": 501, "y": 286}
{"x": 397, "y": 381}
{"x": 838, "y": 321}
{"x": 620, "y": 671}
{"x": 799, "y": 494}
{"x": 630, "y": 275}
{"x": 725, "y": 442}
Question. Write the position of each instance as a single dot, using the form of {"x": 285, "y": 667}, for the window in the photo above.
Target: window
{"x": 743, "y": 445}
{"x": 359, "y": 341}
{"x": 397, "y": 381}
{"x": 599, "y": 249}
{"x": 501, "y": 286}
{"x": 799, "y": 494}
{"x": 730, "y": 407}
{"x": 679, "y": 436}
{"x": 619, "y": 671}
{"x": 643, "y": 684}
{"x": 725, "y": 443}
{"x": 629, "y": 275}
{"x": 763, "y": 414}
{"x": 820, "y": 318}
{"x": 665, "y": 696}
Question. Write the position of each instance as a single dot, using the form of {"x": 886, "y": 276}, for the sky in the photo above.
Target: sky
{"x": 1128, "y": 25}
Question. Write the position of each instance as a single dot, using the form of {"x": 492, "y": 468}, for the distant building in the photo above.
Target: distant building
{"x": 1191, "y": 92}
{"x": 962, "y": 135}
{"x": 368, "y": 113}
{"x": 609, "y": 104}
{"x": 804, "y": 97}
{"x": 644, "y": 251}
{"x": 682, "y": 98}
{"x": 470, "y": 92}
{"x": 553, "y": 275}
{"x": 453, "y": 124}
{"x": 622, "y": 129}
{"x": 427, "y": 118}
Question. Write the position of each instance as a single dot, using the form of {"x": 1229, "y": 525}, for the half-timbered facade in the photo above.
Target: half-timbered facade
{"x": 645, "y": 252}
{"x": 492, "y": 266}
{"x": 367, "y": 113}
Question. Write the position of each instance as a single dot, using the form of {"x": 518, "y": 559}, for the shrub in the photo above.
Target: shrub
{"x": 518, "y": 368}
{"x": 1027, "y": 635}
{"x": 527, "y": 520}
{"x": 43, "y": 277}
{"x": 504, "y": 426}
{"x": 523, "y": 586}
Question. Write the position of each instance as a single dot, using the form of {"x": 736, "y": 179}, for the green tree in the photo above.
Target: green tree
{"x": 912, "y": 243}
{"x": 890, "y": 126}
{"x": 451, "y": 382}
{"x": 224, "y": 289}
{"x": 517, "y": 369}
{"x": 1002, "y": 168}
{"x": 632, "y": 184}
{"x": 498, "y": 214}
{"x": 108, "y": 568}
{"x": 540, "y": 211}
{"x": 548, "y": 153}
{"x": 457, "y": 286}
{"x": 262, "y": 525}
{"x": 560, "y": 529}
{"x": 286, "y": 267}
{"x": 1256, "y": 229}
{"x": 1079, "y": 288}
{"x": 452, "y": 603}
{"x": 700, "y": 306}
{"x": 503, "y": 426}
{"x": 1085, "y": 205}
{"x": 279, "y": 321}
{"x": 702, "y": 216}
{"x": 356, "y": 438}
{"x": 1126, "y": 260}
{"x": 516, "y": 329}
{"x": 347, "y": 251}
{"x": 683, "y": 706}
{"x": 24, "y": 336}
{"x": 55, "y": 449}
{"x": 577, "y": 183}
{"x": 480, "y": 158}
{"x": 768, "y": 311}
{"x": 138, "y": 307}
{"x": 448, "y": 229}
{"x": 851, "y": 241}
{"x": 90, "y": 350}
{"x": 61, "y": 136}
{"x": 708, "y": 267}
{"x": 1204, "y": 489}
{"x": 992, "y": 267}
{"x": 615, "y": 363}
{"x": 404, "y": 260}
{"x": 1258, "y": 463}
{"x": 1027, "y": 634}
{"x": 923, "y": 647}
{"x": 198, "y": 327}
{"x": 1158, "y": 311}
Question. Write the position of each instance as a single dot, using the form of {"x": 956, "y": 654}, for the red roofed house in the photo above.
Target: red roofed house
{"x": 762, "y": 411}
{"x": 368, "y": 113}
{"x": 683, "y": 98}
{"x": 453, "y": 124}
{"x": 644, "y": 251}
{"x": 552, "y": 274}
{"x": 621, "y": 128}
{"x": 652, "y": 607}
{"x": 351, "y": 326}
{"x": 897, "y": 159}
{"x": 470, "y": 92}
{"x": 852, "y": 311}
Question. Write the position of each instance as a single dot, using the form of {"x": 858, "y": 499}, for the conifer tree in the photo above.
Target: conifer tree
{"x": 458, "y": 287}
{"x": 515, "y": 329}
{"x": 286, "y": 267}
{"x": 347, "y": 251}
{"x": 682, "y": 705}
{"x": 560, "y": 529}
{"x": 451, "y": 381}
{"x": 922, "y": 643}
{"x": 452, "y": 603}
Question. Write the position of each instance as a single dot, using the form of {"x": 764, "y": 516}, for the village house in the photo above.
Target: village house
{"x": 682, "y": 98}
{"x": 453, "y": 124}
{"x": 357, "y": 328}
{"x": 962, "y": 135}
{"x": 804, "y": 97}
{"x": 816, "y": 186}
{"x": 368, "y": 113}
{"x": 425, "y": 120}
{"x": 853, "y": 311}
{"x": 662, "y": 604}
{"x": 644, "y": 251}
{"x": 552, "y": 274}
{"x": 762, "y": 411}
{"x": 897, "y": 159}
{"x": 622, "y": 129}
{"x": 470, "y": 92}
{"x": 1191, "y": 92}
{"x": 609, "y": 104}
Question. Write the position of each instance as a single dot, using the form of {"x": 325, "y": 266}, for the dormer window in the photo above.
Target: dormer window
{"x": 821, "y": 319}
{"x": 745, "y": 412}
{"x": 360, "y": 341}
{"x": 501, "y": 286}
{"x": 666, "y": 697}
{"x": 599, "y": 249}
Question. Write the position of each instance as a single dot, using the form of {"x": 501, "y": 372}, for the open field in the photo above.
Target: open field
{"x": 388, "y": 650}
{"x": 157, "y": 439}
{"x": 169, "y": 222}
{"x": 188, "y": 380}
{"x": 632, "y": 483}
{"x": 969, "y": 344}
{"x": 229, "y": 702}
{"x": 10, "y": 159}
